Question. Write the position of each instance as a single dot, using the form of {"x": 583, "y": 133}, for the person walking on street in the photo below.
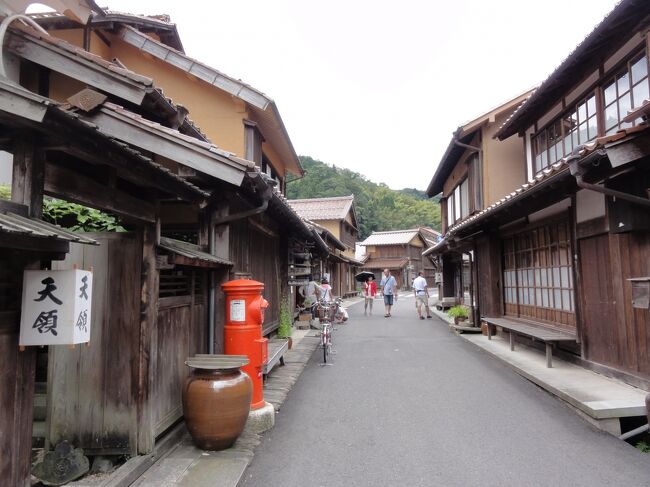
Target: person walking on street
{"x": 369, "y": 292}
{"x": 388, "y": 286}
{"x": 421, "y": 292}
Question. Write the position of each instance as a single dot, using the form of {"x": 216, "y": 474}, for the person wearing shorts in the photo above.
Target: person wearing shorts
{"x": 421, "y": 292}
{"x": 388, "y": 286}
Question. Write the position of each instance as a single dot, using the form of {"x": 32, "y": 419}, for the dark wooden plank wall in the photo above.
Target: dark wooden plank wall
{"x": 259, "y": 254}
{"x": 171, "y": 348}
{"x": 16, "y": 377}
{"x": 91, "y": 398}
{"x": 614, "y": 333}
{"x": 488, "y": 270}
{"x": 180, "y": 332}
{"x": 348, "y": 234}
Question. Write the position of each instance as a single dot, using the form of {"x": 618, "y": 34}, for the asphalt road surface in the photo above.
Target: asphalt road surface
{"x": 407, "y": 403}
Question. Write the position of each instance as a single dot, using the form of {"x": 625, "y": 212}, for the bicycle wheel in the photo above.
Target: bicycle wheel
{"x": 327, "y": 330}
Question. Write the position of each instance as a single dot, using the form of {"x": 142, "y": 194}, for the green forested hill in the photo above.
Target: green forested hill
{"x": 378, "y": 207}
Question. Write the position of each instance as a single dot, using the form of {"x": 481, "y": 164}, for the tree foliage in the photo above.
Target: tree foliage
{"x": 72, "y": 216}
{"x": 378, "y": 207}
{"x": 79, "y": 218}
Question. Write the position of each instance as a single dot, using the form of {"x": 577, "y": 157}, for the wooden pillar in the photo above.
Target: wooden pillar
{"x": 148, "y": 317}
{"x": 222, "y": 249}
{"x": 489, "y": 276}
{"x": 18, "y": 368}
{"x": 448, "y": 267}
{"x": 28, "y": 177}
{"x": 17, "y": 400}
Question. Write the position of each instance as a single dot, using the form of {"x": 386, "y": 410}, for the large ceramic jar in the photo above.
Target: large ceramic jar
{"x": 216, "y": 403}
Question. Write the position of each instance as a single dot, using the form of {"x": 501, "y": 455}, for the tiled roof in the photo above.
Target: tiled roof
{"x": 13, "y": 90}
{"x": 335, "y": 208}
{"x": 393, "y": 237}
{"x": 79, "y": 52}
{"x": 136, "y": 155}
{"x": 147, "y": 83}
{"x": 560, "y": 167}
{"x": 195, "y": 67}
{"x": 191, "y": 251}
{"x": 464, "y": 134}
{"x": 617, "y": 26}
{"x": 161, "y": 25}
{"x": 264, "y": 109}
{"x": 174, "y": 133}
{"x": 280, "y": 204}
{"x": 33, "y": 227}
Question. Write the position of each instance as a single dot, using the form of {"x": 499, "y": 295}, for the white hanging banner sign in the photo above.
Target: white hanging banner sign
{"x": 56, "y": 307}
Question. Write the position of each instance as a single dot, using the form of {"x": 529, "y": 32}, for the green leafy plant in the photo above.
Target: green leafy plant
{"x": 286, "y": 326}
{"x": 458, "y": 312}
{"x": 72, "y": 215}
{"x": 5, "y": 192}
{"x": 79, "y": 218}
{"x": 643, "y": 446}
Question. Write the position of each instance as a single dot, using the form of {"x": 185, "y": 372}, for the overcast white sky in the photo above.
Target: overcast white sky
{"x": 376, "y": 86}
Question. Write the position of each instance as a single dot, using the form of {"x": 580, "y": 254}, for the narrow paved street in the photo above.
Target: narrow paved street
{"x": 407, "y": 403}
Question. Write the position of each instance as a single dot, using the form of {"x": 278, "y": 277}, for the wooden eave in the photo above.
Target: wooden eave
{"x": 629, "y": 16}
{"x": 18, "y": 108}
{"x": 449, "y": 160}
{"x": 75, "y": 66}
{"x": 18, "y": 231}
{"x": 186, "y": 254}
{"x": 201, "y": 157}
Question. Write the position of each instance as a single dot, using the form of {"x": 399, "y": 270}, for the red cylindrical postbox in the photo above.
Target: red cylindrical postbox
{"x": 243, "y": 331}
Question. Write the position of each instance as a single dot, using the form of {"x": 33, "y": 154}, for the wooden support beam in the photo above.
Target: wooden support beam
{"x": 70, "y": 186}
{"x": 177, "y": 149}
{"x": 147, "y": 356}
{"x": 50, "y": 246}
{"x": 89, "y": 145}
{"x": 28, "y": 177}
{"x": 549, "y": 355}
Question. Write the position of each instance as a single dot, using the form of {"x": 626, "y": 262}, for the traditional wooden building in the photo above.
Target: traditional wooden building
{"x": 90, "y": 131}
{"x": 46, "y": 160}
{"x": 568, "y": 251}
{"x": 474, "y": 172}
{"x": 235, "y": 116}
{"x": 336, "y": 221}
{"x": 397, "y": 250}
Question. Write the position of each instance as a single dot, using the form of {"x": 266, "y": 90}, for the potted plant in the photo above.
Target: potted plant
{"x": 286, "y": 326}
{"x": 458, "y": 313}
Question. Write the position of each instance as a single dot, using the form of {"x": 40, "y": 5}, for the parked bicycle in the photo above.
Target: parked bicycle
{"x": 325, "y": 311}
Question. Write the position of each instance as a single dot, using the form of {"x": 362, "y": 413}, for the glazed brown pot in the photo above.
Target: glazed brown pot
{"x": 216, "y": 405}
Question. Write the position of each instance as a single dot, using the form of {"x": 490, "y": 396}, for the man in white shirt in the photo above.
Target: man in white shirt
{"x": 421, "y": 292}
{"x": 388, "y": 286}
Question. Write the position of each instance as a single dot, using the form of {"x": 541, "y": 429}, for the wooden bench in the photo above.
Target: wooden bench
{"x": 537, "y": 331}
{"x": 445, "y": 303}
{"x": 350, "y": 294}
{"x": 276, "y": 349}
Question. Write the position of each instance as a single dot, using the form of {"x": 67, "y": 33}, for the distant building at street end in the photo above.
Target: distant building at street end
{"x": 401, "y": 252}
